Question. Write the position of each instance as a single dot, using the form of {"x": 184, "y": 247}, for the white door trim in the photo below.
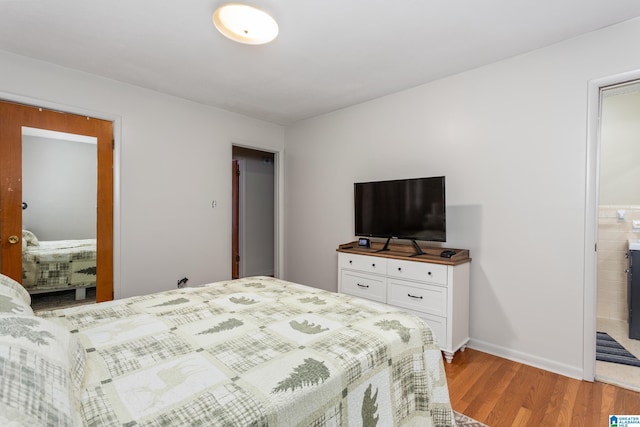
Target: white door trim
{"x": 591, "y": 216}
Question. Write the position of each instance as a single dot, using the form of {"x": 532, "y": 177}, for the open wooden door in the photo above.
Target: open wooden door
{"x": 12, "y": 118}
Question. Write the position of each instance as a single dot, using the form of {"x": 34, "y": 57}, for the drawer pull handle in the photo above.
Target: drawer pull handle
{"x": 429, "y": 273}
{"x": 399, "y": 268}
{"x": 350, "y": 262}
{"x": 373, "y": 265}
{"x": 413, "y": 296}
{"x": 365, "y": 286}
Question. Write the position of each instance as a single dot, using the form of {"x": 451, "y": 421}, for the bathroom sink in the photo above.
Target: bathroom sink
{"x": 634, "y": 244}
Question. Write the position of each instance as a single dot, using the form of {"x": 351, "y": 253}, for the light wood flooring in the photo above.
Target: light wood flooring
{"x": 499, "y": 392}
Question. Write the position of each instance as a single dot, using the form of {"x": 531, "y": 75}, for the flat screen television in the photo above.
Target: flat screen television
{"x": 412, "y": 209}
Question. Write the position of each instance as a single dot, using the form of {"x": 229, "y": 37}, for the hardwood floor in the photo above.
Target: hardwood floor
{"x": 499, "y": 392}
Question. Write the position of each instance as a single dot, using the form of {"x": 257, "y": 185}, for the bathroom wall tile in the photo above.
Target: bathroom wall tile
{"x": 613, "y": 234}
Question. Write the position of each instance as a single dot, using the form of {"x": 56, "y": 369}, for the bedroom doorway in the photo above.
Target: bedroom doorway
{"x": 253, "y": 213}
{"x": 14, "y": 118}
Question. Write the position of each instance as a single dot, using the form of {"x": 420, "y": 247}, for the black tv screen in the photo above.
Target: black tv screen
{"x": 404, "y": 209}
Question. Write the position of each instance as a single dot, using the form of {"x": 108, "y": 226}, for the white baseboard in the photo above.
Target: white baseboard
{"x": 527, "y": 359}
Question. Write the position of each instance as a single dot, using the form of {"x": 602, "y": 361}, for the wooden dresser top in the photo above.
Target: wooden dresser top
{"x": 405, "y": 252}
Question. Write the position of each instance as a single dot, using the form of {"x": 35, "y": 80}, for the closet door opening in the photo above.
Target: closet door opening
{"x": 253, "y": 213}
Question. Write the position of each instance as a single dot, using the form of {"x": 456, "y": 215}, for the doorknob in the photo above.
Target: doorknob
{"x": 13, "y": 239}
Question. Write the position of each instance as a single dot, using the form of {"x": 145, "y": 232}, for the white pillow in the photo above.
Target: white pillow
{"x": 30, "y": 238}
{"x": 42, "y": 372}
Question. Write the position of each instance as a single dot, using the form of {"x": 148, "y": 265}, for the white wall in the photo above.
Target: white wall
{"x": 59, "y": 185}
{"x": 175, "y": 159}
{"x": 511, "y": 140}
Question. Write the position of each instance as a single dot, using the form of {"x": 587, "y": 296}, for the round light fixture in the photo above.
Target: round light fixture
{"x": 245, "y": 24}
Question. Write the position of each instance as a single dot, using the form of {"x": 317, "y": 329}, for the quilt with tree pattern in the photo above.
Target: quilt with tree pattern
{"x": 256, "y": 351}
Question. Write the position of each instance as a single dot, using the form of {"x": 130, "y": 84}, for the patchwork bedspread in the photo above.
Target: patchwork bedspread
{"x": 257, "y": 351}
{"x": 59, "y": 264}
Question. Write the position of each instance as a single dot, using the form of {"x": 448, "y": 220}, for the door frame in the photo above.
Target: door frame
{"x": 278, "y": 201}
{"x": 591, "y": 216}
{"x": 239, "y": 232}
{"x": 117, "y": 126}
{"x": 235, "y": 219}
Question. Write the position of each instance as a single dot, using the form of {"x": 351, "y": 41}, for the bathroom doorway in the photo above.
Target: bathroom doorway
{"x": 618, "y": 221}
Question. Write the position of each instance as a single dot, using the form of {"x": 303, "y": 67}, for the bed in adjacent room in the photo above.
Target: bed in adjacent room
{"x": 57, "y": 265}
{"x": 253, "y": 351}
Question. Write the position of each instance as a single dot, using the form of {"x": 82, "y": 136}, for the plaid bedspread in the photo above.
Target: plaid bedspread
{"x": 257, "y": 351}
{"x": 60, "y": 264}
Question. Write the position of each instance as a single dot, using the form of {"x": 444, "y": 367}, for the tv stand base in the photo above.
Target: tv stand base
{"x": 418, "y": 251}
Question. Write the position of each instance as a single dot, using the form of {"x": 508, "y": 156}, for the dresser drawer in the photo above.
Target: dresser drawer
{"x": 364, "y": 263}
{"x": 364, "y": 286}
{"x": 424, "y": 298}
{"x": 422, "y": 271}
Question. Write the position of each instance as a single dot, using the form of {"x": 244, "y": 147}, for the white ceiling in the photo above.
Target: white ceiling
{"x": 330, "y": 53}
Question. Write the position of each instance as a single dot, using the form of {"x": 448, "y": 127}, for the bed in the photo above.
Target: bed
{"x": 57, "y": 265}
{"x": 255, "y": 351}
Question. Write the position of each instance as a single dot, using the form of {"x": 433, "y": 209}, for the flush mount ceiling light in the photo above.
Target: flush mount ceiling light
{"x": 245, "y": 24}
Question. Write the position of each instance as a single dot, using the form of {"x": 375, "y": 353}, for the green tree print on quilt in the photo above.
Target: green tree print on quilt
{"x": 313, "y": 300}
{"x": 256, "y": 285}
{"x": 169, "y": 303}
{"x": 8, "y": 306}
{"x": 307, "y": 328}
{"x": 395, "y": 325}
{"x": 226, "y": 325}
{"x": 242, "y": 300}
{"x": 22, "y": 328}
{"x": 369, "y": 408}
{"x": 311, "y": 372}
{"x": 89, "y": 271}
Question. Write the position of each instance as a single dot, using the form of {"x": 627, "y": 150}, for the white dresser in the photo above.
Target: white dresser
{"x": 433, "y": 288}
